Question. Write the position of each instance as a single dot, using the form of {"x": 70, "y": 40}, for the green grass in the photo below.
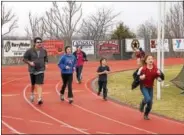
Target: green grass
{"x": 171, "y": 103}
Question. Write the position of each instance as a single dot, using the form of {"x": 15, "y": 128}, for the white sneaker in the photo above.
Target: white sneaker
{"x": 70, "y": 100}
{"x": 32, "y": 98}
{"x": 62, "y": 97}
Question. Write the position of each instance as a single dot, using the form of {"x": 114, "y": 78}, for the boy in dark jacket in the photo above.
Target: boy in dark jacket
{"x": 102, "y": 71}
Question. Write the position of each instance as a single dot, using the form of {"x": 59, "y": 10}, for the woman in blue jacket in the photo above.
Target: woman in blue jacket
{"x": 67, "y": 65}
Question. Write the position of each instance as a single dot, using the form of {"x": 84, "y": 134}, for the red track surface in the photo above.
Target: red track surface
{"x": 88, "y": 115}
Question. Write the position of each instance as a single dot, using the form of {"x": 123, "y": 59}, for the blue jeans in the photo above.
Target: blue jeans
{"x": 148, "y": 98}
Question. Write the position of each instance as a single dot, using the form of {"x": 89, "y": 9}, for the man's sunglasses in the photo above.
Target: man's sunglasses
{"x": 38, "y": 42}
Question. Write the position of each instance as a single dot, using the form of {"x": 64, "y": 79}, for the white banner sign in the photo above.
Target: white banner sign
{"x": 153, "y": 45}
{"x": 87, "y": 45}
{"x": 15, "y": 48}
{"x": 131, "y": 44}
{"x": 178, "y": 45}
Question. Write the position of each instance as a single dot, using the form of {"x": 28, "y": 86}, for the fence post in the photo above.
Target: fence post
{"x": 121, "y": 50}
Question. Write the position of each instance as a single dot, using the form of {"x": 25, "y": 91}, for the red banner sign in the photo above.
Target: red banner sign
{"x": 111, "y": 46}
{"x": 53, "y": 47}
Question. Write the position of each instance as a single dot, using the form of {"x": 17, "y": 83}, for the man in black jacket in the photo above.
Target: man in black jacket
{"x": 36, "y": 58}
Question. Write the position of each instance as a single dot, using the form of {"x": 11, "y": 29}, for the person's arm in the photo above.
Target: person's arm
{"x": 26, "y": 58}
{"x": 75, "y": 63}
{"x": 142, "y": 74}
{"x": 99, "y": 72}
{"x": 159, "y": 75}
{"x": 139, "y": 71}
{"x": 108, "y": 70}
{"x": 46, "y": 57}
{"x": 61, "y": 63}
{"x": 85, "y": 56}
{"x": 74, "y": 53}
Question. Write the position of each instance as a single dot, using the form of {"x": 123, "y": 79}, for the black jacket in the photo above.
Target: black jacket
{"x": 136, "y": 80}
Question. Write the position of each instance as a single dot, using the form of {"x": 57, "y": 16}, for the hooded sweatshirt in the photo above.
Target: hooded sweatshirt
{"x": 67, "y": 60}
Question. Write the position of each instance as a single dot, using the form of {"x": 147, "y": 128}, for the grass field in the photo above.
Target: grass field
{"x": 171, "y": 103}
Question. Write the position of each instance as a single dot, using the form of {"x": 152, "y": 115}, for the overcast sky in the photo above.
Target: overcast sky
{"x": 132, "y": 13}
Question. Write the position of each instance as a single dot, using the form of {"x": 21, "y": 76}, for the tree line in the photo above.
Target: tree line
{"x": 65, "y": 22}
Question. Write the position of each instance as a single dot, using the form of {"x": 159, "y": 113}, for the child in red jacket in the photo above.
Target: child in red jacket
{"x": 148, "y": 73}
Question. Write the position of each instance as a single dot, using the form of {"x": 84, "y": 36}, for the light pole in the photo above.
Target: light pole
{"x": 158, "y": 48}
{"x": 163, "y": 39}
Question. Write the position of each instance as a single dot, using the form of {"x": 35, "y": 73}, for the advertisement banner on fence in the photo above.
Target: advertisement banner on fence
{"x": 54, "y": 47}
{"x": 178, "y": 45}
{"x": 131, "y": 44}
{"x": 87, "y": 45}
{"x": 153, "y": 45}
{"x": 111, "y": 46}
{"x": 15, "y": 48}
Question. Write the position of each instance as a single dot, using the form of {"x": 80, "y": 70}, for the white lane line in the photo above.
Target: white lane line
{"x": 11, "y": 128}
{"x": 41, "y": 122}
{"x": 49, "y": 116}
{"x": 42, "y": 93}
{"x": 14, "y": 118}
{"x": 107, "y": 118}
{"x": 78, "y": 128}
{"x": 10, "y": 95}
{"x": 102, "y": 133}
{"x": 13, "y": 80}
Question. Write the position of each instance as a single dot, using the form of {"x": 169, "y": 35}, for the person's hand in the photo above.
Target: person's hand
{"x": 67, "y": 67}
{"x": 106, "y": 71}
{"x": 46, "y": 66}
{"x": 158, "y": 72}
{"x": 31, "y": 64}
{"x": 142, "y": 77}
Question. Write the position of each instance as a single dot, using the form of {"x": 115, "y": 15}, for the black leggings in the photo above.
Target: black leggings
{"x": 102, "y": 84}
{"x": 79, "y": 72}
{"x": 67, "y": 80}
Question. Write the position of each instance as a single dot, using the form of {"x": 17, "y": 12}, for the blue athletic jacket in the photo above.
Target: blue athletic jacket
{"x": 67, "y": 60}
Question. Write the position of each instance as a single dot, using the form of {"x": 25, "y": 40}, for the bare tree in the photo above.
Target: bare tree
{"x": 8, "y": 17}
{"x": 173, "y": 24}
{"x": 51, "y": 28}
{"x": 96, "y": 26}
{"x": 62, "y": 22}
{"x": 36, "y": 28}
{"x": 174, "y": 27}
{"x": 147, "y": 30}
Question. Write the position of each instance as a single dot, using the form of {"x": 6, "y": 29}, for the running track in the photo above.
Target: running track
{"x": 89, "y": 114}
